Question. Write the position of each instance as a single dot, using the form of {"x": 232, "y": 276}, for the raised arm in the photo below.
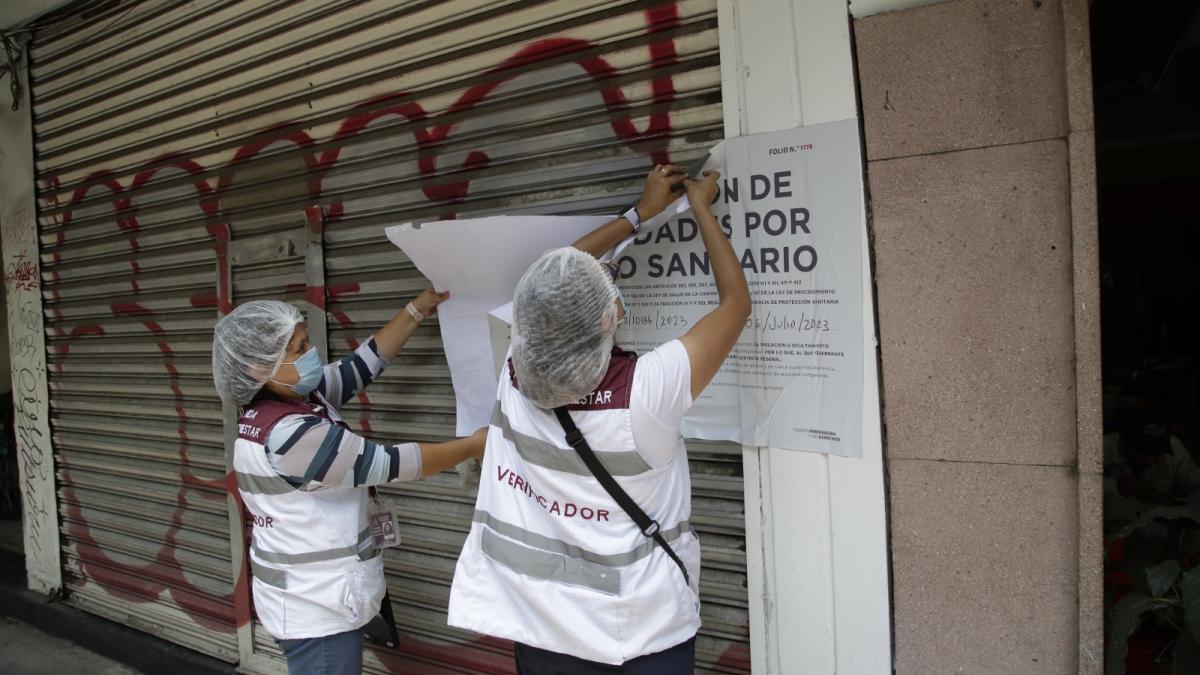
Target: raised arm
{"x": 712, "y": 338}
{"x": 342, "y": 379}
{"x": 392, "y": 336}
{"x": 656, "y": 196}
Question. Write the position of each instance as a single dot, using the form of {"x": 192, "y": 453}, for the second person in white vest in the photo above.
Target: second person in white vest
{"x": 305, "y": 477}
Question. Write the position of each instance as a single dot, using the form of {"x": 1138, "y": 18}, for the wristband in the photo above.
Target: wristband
{"x": 414, "y": 312}
{"x": 631, "y": 214}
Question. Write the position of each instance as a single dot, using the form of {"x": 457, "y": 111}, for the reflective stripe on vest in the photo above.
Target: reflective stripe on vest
{"x": 268, "y": 575}
{"x": 363, "y": 550}
{"x": 262, "y": 485}
{"x": 550, "y": 566}
{"x": 562, "y": 548}
{"x": 538, "y": 452}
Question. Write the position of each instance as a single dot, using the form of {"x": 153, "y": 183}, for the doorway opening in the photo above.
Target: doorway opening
{"x": 1146, "y": 76}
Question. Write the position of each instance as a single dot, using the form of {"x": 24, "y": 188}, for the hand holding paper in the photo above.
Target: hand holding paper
{"x": 482, "y": 260}
{"x": 661, "y": 189}
{"x": 427, "y": 302}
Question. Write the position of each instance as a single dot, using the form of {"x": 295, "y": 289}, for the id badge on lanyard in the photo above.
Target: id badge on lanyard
{"x": 385, "y": 525}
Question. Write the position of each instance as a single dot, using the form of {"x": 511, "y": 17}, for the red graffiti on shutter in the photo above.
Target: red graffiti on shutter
{"x": 443, "y": 186}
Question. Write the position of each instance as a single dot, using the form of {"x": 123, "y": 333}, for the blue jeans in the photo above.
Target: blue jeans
{"x": 339, "y": 654}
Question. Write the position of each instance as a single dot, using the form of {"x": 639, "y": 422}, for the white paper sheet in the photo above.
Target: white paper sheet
{"x": 788, "y": 206}
{"x": 790, "y": 203}
{"x": 480, "y": 262}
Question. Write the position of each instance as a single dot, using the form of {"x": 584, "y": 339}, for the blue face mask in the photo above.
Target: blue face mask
{"x": 309, "y": 368}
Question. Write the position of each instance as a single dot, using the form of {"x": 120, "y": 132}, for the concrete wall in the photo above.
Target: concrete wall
{"x": 5, "y": 362}
{"x": 26, "y": 340}
{"x": 965, "y": 106}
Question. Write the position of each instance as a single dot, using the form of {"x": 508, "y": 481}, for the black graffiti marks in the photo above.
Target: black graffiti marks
{"x": 23, "y": 347}
{"x": 26, "y": 342}
{"x": 29, "y": 317}
{"x": 26, "y": 338}
{"x": 34, "y": 453}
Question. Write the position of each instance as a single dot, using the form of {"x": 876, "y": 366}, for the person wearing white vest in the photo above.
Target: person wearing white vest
{"x": 305, "y": 479}
{"x": 552, "y": 561}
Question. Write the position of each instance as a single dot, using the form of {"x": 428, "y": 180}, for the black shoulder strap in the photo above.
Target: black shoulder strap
{"x": 645, "y": 523}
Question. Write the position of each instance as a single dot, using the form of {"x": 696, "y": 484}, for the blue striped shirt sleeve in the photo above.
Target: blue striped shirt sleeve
{"x": 309, "y": 451}
{"x": 342, "y": 379}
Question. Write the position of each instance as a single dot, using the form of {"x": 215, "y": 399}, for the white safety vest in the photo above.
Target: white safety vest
{"x": 315, "y": 569}
{"x": 551, "y": 560}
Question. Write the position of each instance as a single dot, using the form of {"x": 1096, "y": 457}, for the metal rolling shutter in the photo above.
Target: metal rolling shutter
{"x": 283, "y": 136}
{"x": 129, "y": 301}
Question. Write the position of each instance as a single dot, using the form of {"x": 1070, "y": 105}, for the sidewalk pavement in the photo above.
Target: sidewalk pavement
{"x": 28, "y": 616}
{"x": 29, "y": 651}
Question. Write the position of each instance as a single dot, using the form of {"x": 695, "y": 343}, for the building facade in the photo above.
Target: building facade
{"x": 170, "y": 160}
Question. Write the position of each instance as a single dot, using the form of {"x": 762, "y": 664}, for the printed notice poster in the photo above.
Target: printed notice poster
{"x": 791, "y": 204}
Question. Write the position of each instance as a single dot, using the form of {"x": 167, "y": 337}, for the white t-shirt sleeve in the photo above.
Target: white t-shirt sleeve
{"x": 662, "y": 394}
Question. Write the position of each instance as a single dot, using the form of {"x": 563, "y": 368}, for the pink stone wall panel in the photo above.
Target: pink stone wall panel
{"x": 965, "y": 116}
{"x": 973, "y": 264}
{"x": 964, "y": 74}
{"x": 983, "y": 567}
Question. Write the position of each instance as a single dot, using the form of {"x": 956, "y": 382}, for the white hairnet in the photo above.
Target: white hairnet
{"x": 249, "y": 344}
{"x": 564, "y": 320}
